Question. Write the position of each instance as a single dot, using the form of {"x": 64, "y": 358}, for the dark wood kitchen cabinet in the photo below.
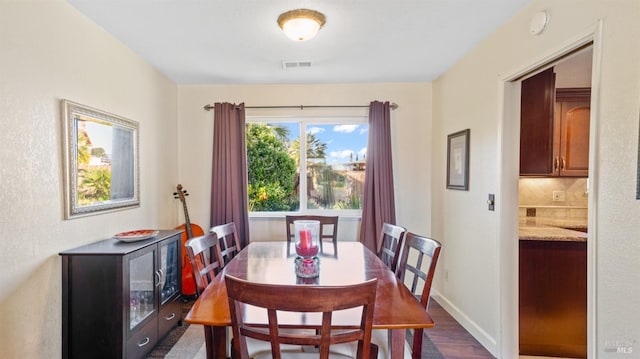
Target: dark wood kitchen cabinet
{"x": 120, "y": 298}
{"x": 571, "y": 132}
{"x": 553, "y": 298}
{"x": 536, "y": 124}
{"x": 554, "y": 128}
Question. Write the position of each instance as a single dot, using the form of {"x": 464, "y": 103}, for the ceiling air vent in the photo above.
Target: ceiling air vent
{"x": 286, "y": 65}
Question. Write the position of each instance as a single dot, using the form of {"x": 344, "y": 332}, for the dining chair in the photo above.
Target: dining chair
{"x": 302, "y": 299}
{"x": 204, "y": 257}
{"x": 411, "y": 267}
{"x": 328, "y": 228}
{"x": 229, "y": 245}
{"x": 207, "y": 265}
{"x": 417, "y": 266}
{"x": 390, "y": 244}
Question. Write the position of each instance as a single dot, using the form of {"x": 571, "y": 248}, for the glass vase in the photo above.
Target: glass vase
{"x": 307, "y": 238}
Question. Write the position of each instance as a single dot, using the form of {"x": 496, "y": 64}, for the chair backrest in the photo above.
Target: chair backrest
{"x": 411, "y": 268}
{"x": 305, "y": 299}
{"x": 229, "y": 245}
{"x": 390, "y": 244}
{"x": 328, "y": 228}
{"x": 204, "y": 256}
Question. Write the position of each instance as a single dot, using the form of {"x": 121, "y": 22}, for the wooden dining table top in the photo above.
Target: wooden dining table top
{"x": 273, "y": 263}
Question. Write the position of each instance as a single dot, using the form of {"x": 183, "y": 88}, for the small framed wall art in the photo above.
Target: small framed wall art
{"x": 458, "y": 160}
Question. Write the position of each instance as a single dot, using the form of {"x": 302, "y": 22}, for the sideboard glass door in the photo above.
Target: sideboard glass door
{"x": 169, "y": 264}
{"x": 141, "y": 293}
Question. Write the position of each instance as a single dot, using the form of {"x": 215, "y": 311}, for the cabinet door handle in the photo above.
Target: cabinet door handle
{"x": 144, "y": 342}
{"x": 170, "y": 316}
{"x": 157, "y": 273}
{"x": 162, "y": 276}
{"x": 556, "y": 163}
{"x": 564, "y": 164}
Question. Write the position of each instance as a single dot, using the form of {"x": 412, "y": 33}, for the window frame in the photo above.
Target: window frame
{"x": 305, "y": 121}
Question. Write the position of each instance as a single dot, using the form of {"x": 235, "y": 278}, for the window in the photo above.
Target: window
{"x": 330, "y": 152}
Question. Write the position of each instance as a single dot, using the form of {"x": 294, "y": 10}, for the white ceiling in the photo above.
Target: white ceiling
{"x": 239, "y": 41}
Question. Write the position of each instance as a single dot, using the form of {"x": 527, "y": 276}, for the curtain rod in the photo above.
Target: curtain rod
{"x": 393, "y": 106}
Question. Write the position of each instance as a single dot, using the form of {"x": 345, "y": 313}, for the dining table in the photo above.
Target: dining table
{"x": 348, "y": 262}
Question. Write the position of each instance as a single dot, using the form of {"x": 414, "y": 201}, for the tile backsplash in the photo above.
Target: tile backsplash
{"x": 563, "y": 197}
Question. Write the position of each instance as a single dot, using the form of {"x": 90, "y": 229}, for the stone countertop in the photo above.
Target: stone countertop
{"x": 552, "y": 229}
{"x": 568, "y": 223}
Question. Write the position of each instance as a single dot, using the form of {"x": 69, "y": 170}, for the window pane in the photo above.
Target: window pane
{"x": 335, "y": 165}
{"x": 272, "y": 166}
{"x": 333, "y": 158}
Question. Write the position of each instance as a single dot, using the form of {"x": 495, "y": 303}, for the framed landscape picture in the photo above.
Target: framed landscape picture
{"x": 458, "y": 160}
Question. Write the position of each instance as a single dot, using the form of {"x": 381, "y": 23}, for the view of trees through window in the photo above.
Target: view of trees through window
{"x": 332, "y": 157}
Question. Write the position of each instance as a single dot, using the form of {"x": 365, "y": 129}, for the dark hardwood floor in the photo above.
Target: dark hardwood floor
{"x": 451, "y": 339}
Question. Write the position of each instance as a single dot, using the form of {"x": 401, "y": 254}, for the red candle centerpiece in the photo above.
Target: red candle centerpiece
{"x": 306, "y": 246}
{"x": 307, "y": 238}
{"x": 307, "y": 264}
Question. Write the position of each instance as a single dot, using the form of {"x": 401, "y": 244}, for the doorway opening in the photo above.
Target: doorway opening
{"x": 510, "y": 188}
{"x": 553, "y": 208}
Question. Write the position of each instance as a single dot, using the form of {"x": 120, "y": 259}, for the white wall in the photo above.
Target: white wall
{"x": 48, "y": 51}
{"x": 469, "y": 95}
{"x": 411, "y": 130}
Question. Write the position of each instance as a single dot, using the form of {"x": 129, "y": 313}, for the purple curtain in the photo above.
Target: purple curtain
{"x": 229, "y": 170}
{"x": 378, "y": 204}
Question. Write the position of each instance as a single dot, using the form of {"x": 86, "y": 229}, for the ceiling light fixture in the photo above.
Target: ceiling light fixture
{"x": 301, "y": 24}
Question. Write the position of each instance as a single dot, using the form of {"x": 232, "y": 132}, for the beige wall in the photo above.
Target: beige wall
{"x": 48, "y": 51}
{"x": 476, "y": 276}
{"x": 411, "y": 129}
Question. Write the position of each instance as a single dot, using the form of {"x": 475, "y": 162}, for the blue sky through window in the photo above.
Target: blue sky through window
{"x": 342, "y": 140}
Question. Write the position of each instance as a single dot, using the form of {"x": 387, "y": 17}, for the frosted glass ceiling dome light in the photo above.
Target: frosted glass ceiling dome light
{"x": 301, "y": 24}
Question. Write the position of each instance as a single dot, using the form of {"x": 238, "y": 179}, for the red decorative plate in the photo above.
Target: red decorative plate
{"x": 136, "y": 235}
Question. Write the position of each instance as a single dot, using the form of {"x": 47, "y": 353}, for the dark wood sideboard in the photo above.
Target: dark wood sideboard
{"x": 120, "y": 298}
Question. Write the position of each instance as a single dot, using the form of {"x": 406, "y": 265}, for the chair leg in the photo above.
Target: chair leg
{"x": 234, "y": 352}
{"x": 373, "y": 354}
{"x": 416, "y": 348}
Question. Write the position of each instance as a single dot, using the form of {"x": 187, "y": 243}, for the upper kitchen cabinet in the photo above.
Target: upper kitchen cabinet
{"x": 571, "y": 130}
{"x": 554, "y": 128}
{"x": 536, "y": 124}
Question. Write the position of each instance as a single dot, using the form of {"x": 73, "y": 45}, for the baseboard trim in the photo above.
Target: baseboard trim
{"x": 472, "y": 327}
